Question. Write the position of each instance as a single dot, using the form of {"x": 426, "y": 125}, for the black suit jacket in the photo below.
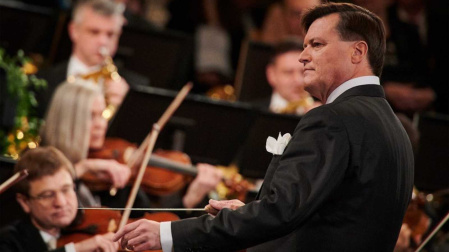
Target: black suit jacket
{"x": 343, "y": 183}
{"x": 23, "y": 236}
{"x": 57, "y": 74}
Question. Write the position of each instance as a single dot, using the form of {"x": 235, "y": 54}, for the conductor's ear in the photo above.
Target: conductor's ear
{"x": 360, "y": 50}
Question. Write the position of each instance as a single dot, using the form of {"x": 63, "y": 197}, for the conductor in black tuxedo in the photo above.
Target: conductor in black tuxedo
{"x": 94, "y": 30}
{"x": 343, "y": 181}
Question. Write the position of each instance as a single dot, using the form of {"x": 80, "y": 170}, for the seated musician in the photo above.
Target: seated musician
{"x": 285, "y": 76}
{"x": 94, "y": 30}
{"x": 74, "y": 124}
{"x": 417, "y": 217}
{"x": 47, "y": 195}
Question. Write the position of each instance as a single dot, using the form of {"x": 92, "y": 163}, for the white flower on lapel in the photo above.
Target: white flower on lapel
{"x": 277, "y": 146}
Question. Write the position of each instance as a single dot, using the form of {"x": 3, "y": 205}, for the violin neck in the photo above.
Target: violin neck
{"x": 168, "y": 164}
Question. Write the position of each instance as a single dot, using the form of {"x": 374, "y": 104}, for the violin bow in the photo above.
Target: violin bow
{"x": 434, "y": 231}
{"x": 151, "y": 139}
{"x": 13, "y": 179}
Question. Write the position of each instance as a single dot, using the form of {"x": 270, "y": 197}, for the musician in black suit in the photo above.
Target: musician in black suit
{"x": 345, "y": 178}
{"x": 95, "y": 30}
{"x": 47, "y": 195}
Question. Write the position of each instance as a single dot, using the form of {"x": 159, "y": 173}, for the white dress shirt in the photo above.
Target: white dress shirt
{"x": 277, "y": 102}
{"x": 76, "y": 67}
{"x": 165, "y": 227}
{"x": 51, "y": 240}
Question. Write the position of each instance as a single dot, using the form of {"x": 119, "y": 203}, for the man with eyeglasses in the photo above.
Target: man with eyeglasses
{"x": 47, "y": 195}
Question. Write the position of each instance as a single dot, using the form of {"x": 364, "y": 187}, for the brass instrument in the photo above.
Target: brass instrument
{"x": 222, "y": 92}
{"x": 298, "y": 107}
{"x": 108, "y": 71}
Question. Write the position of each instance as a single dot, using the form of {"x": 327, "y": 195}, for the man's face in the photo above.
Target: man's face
{"x": 52, "y": 201}
{"x": 286, "y": 77}
{"x": 98, "y": 124}
{"x": 326, "y": 58}
{"x": 92, "y": 31}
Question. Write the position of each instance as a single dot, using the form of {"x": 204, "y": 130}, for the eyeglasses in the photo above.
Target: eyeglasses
{"x": 49, "y": 196}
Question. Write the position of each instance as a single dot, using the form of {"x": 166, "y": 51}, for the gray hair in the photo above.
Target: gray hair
{"x": 103, "y": 7}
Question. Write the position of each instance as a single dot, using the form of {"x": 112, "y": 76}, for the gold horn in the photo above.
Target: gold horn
{"x": 300, "y": 105}
{"x": 108, "y": 71}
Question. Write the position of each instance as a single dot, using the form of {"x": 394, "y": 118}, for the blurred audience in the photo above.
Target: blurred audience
{"x": 411, "y": 79}
{"x": 283, "y": 19}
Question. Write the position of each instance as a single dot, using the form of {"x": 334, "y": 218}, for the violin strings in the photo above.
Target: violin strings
{"x": 143, "y": 209}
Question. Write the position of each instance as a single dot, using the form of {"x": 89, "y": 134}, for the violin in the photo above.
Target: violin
{"x": 416, "y": 218}
{"x": 93, "y": 222}
{"x": 89, "y": 223}
{"x": 149, "y": 144}
{"x": 168, "y": 172}
{"x": 156, "y": 181}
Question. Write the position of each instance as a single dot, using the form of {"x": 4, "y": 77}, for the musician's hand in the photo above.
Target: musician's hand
{"x": 207, "y": 179}
{"x": 405, "y": 97}
{"x": 216, "y": 205}
{"x": 139, "y": 235}
{"x": 115, "y": 91}
{"x": 118, "y": 174}
{"x": 403, "y": 242}
{"x": 97, "y": 243}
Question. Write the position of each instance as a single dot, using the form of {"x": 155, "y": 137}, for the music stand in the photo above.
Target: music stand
{"x": 26, "y": 27}
{"x": 164, "y": 56}
{"x": 251, "y": 82}
{"x": 207, "y": 130}
{"x": 432, "y": 157}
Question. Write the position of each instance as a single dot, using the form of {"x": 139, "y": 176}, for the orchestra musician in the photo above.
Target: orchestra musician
{"x": 345, "y": 178}
{"x": 286, "y": 78}
{"x": 94, "y": 30}
{"x": 48, "y": 196}
{"x": 74, "y": 124}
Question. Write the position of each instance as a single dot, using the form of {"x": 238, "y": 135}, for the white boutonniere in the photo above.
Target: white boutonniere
{"x": 277, "y": 146}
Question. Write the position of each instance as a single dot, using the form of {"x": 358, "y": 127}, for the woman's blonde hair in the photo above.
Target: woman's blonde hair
{"x": 67, "y": 124}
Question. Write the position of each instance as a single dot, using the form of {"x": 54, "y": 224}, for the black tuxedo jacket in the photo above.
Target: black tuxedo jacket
{"x": 57, "y": 74}
{"x": 23, "y": 236}
{"x": 343, "y": 183}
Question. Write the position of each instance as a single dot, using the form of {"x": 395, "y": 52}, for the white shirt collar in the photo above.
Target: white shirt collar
{"x": 359, "y": 81}
{"x": 77, "y": 67}
{"x": 277, "y": 102}
{"x": 47, "y": 237}
{"x": 70, "y": 247}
